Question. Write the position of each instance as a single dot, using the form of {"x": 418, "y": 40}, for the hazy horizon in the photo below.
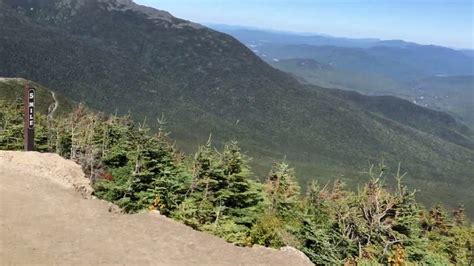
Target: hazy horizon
{"x": 211, "y": 25}
{"x": 425, "y": 22}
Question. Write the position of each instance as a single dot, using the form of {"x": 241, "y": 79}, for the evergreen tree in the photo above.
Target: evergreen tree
{"x": 283, "y": 191}
{"x": 215, "y": 192}
{"x": 149, "y": 175}
{"x": 11, "y": 125}
{"x": 283, "y": 217}
{"x": 222, "y": 199}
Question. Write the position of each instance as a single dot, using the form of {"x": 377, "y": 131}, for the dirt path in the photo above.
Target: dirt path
{"x": 43, "y": 220}
{"x": 56, "y": 104}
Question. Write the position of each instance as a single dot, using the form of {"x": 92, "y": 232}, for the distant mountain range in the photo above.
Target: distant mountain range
{"x": 117, "y": 56}
{"x": 258, "y": 35}
{"x": 370, "y": 66}
{"x": 468, "y": 52}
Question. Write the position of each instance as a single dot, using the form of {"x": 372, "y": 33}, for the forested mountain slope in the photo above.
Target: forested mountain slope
{"x": 452, "y": 93}
{"x": 48, "y": 102}
{"x": 120, "y": 57}
{"x": 214, "y": 191}
{"x": 428, "y": 75}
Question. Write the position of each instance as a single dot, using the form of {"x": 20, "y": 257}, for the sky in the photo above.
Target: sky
{"x": 441, "y": 22}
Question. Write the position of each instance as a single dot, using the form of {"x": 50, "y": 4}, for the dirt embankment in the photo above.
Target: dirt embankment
{"x": 44, "y": 220}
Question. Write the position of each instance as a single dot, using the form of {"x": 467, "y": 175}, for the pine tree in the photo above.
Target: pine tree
{"x": 284, "y": 214}
{"x": 11, "y": 125}
{"x": 148, "y": 176}
{"x": 222, "y": 199}
{"x": 215, "y": 192}
{"x": 283, "y": 190}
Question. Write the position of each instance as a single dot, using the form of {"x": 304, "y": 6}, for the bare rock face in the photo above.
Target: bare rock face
{"x": 152, "y": 13}
{"x": 65, "y": 9}
{"x": 129, "y": 5}
{"x": 114, "y": 209}
{"x": 295, "y": 253}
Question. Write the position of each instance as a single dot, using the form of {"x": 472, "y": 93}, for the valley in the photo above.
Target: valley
{"x": 115, "y": 58}
{"x": 423, "y": 74}
{"x": 155, "y": 137}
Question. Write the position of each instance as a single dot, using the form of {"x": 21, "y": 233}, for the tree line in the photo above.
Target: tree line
{"x": 215, "y": 191}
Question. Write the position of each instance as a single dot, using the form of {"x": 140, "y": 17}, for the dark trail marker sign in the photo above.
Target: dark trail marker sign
{"x": 29, "y": 119}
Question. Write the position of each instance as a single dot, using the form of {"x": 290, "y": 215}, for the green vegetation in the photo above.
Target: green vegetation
{"x": 11, "y": 89}
{"x": 205, "y": 82}
{"x": 214, "y": 191}
{"x": 432, "y": 76}
{"x": 404, "y": 62}
{"x": 326, "y": 76}
{"x": 452, "y": 94}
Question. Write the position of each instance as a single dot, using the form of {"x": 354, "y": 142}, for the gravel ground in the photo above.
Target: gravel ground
{"x": 44, "y": 220}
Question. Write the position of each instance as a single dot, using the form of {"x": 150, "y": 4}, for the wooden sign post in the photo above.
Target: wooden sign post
{"x": 29, "y": 119}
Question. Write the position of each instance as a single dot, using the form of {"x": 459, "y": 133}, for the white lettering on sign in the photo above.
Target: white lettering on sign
{"x": 31, "y": 108}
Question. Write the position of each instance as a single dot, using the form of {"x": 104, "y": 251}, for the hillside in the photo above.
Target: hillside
{"x": 451, "y": 94}
{"x": 119, "y": 57}
{"x": 394, "y": 59}
{"x": 48, "y": 102}
{"x": 371, "y": 66}
{"x": 454, "y": 94}
{"x": 325, "y": 75}
{"x": 60, "y": 214}
{"x": 399, "y": 64}
{"x": 213, "y": 192}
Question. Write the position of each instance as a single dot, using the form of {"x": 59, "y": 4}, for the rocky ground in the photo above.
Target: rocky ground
{"x": 47, "y": 216}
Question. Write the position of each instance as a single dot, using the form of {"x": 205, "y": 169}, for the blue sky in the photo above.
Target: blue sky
{"x": 442, "y": 22}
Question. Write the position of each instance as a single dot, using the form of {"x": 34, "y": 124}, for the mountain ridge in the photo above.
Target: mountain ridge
{"x": 252, "y": 34}
{"x": 206, "y": 82}
{"x": 379, "y": 67}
